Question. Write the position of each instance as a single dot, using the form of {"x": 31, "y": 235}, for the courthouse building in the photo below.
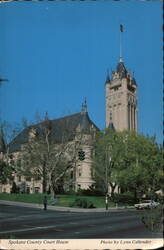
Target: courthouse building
{"x": 121, "y": 114}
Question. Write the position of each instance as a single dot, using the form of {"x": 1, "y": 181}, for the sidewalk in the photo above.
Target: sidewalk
{"x": 66, "y": 209}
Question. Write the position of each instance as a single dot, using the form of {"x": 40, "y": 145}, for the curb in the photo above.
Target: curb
{"x": 66, "y": 209}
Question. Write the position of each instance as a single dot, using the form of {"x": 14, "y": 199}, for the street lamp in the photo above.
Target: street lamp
{"x": 106, "y": 201}
{"x": 108, "y": 162}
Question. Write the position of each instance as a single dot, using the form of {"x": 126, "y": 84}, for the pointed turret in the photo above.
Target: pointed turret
{"x": 47, "y": 122}
{"x": 46, "y": 118}
{"x": 107, "y": 77}
{"x": 120, "y": 69}
{"x": 85, "y": 120}
{"x": 133, "y": 80}
{"x": 84, "y": 107}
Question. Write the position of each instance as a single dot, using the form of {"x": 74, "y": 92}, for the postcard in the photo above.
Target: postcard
{"x": 81, "y": 152}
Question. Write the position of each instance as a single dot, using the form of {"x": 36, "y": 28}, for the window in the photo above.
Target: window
{"x": 37, "y": 190}
{"x": 79, "y": 172}
{"x": 13, "y": 178}
{"x": 28, "y": 178}
{"x": 71, "y": 174}
{"x": 37, "y": 178}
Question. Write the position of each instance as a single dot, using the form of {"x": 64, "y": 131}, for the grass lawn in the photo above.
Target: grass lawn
{"x": 62, "y": 200}
{"x": 66, "y": 200}
{"x": 29, "y": 198}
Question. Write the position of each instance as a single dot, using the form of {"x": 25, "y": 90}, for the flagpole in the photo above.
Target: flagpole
{"x": 120, "y": 45}
{"x": 121, "y": 30}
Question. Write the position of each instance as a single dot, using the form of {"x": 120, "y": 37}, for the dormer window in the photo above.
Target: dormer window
{"x": 32, "y": 133}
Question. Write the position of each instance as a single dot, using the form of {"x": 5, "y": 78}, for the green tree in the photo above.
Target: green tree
{"x": 108, "y": 158}
{"x": 46, "y": 159}
{"x": 5, "y": 172}
{"x": 142, "y": 164}
{"x": 131, "y": 161}
{"x": 6, "y": 169}
{"x": 14, "y": 188}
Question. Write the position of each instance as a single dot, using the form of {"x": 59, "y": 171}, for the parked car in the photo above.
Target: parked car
{"x": 146, "y": 204}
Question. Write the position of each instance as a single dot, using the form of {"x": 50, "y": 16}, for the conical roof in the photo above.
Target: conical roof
{"x": 134, "y": 81}
{"x": 107, "y": 77}
{"x": 120, "y": 69}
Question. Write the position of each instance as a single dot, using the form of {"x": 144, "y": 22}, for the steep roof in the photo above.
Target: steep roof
{"x": 107, "y": 77}
{"x": 120, "y": 68}
{"x": 61, "y": 129}
{"x": 134, "y": 81}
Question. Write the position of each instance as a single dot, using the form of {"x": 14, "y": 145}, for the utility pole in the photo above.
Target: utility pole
{"x": 107, "y": 165}
{"x": 106, "y": 177}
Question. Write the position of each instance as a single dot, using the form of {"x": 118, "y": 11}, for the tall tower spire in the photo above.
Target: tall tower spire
{"x": 121, "y": 100}
{"x": 107, "y": 77}
{"x": 84, "y": 106}
{"x": 46, "y": 118}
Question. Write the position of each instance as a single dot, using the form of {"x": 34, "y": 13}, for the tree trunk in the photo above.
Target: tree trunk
{"x": 54, "y": 189}
{"x": 44, "y": 178}
{"x": 44, "y": 186}
{"x": 113, "y": 186}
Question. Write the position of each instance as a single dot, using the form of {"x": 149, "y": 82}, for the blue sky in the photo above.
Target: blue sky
{"x": 56, "y": 53}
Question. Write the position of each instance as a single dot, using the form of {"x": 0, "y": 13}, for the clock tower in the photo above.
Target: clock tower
{"x": 121, "y": 99}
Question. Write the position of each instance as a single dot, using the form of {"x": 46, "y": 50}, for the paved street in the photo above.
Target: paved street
{"x": 23, "y": 223}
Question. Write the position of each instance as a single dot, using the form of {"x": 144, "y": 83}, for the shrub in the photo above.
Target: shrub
{"x": 151, "y": 195}
{"x": 14, "y": 189}
{"x": 90, "y": 192}
{"x": 124, "y": 198}
{"x": 83, "y": 203}
{"x": 70, "y": 192}
{"x": 153, "y": 219}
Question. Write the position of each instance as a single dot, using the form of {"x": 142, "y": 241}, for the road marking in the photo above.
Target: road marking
{"x": 26, "y": 229}
{"x": 26, "y": 225}
{"x": 77, "y": 232}
{"x": 59, "y": 230}
{"x": 19, "y": 218}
